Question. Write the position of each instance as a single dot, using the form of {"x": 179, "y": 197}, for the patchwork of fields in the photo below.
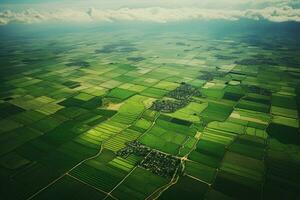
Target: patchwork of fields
{"x": 206, "y": 117}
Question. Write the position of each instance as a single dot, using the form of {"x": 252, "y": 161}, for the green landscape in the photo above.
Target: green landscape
{"x": 142, "y": 110}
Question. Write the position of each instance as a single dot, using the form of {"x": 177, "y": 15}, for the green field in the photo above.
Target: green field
{"x": 73, "y": 101}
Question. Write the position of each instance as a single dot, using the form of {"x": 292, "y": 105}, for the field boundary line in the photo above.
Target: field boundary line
{"x": 109, "y": 193}
{"x": 198, "y": 179}
{"x": 83, "y": 182}
{"x": 57, "y": 179}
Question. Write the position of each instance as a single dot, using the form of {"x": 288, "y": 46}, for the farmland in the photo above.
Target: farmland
{"x": 115, "y": 113}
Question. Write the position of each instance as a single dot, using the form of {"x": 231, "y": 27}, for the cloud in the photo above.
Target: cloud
{"x": 114, "y": 4}
{"x": 151, "y": 14}
{"x": 274, "y": 14}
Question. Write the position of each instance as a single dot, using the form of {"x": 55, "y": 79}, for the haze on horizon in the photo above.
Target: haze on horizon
{"x": 33, "y": 11}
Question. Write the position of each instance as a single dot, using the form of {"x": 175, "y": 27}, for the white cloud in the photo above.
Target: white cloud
{"x": 151, "y": 14}
{"x": 275, "y": 14}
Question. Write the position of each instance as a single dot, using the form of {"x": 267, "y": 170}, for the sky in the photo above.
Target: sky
{"x": 160, "y": 11}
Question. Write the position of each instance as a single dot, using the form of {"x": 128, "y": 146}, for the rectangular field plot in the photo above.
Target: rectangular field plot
{"x": 33, "y": 178}
{"x": 218, "y": 136}
{"x": 281, "y": 174}
{"x": 243, "y": 166}
{"x": 8, "y": 125}
{"x": 119, "y": 141}
{"x": 229, "y": 127}
{"x": 205, "y": 159}
{"x": 102, "y": 172}
{"x": 167, "y": 136}
{"x": 286, "y": 112}
{"x": 287, "y": 102}
{"x": 216, "y": 111}
{"x": 132, "y": 87}
{"x": 165, "y": 85}
{"x": 120, "y": 93}
{"x": 8, "y": 109}
{"x": 249, "y": 146}
{"x": 100, "y": 133}
{"x": 196, "y": 189}
{"x": 70, "y": 188}
{"x": 154, "y": 92}
{"x": 251, "y": 116}
{"x": 237, "y": 186}
{"x": 28, "y": 117}
{"x": 208, "y": 153}
{"x": 13, "y": 139}
{"x": 142, "y": 125}
{"x": 259, "y": 98}
{"x": 286, "y": 121}
{"x": 190, "y": 112}
{"x": 159, "y": 144}
{"x": 139, "y": 185}
{"x": 200, "y": 171}
{"x": 254, "y": 106}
